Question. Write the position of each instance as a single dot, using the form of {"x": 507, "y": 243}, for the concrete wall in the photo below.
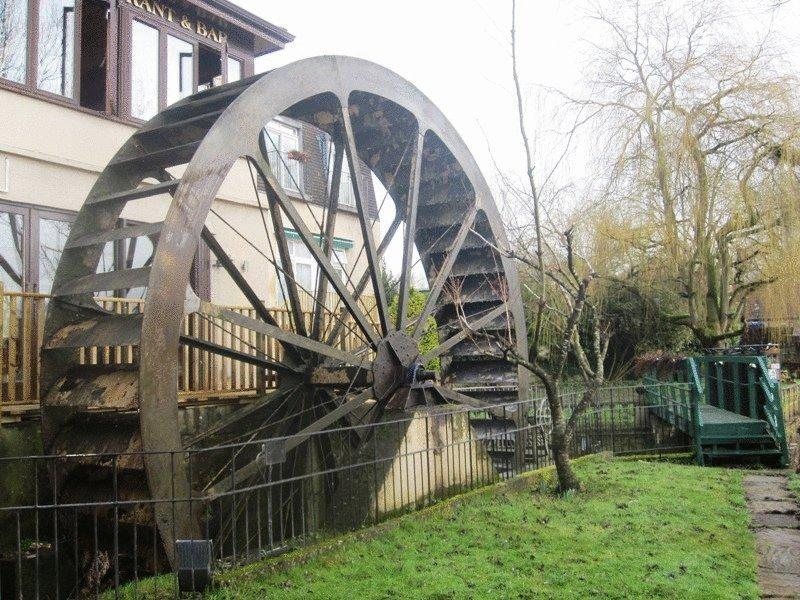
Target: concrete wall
{"x": 430, "y": 456}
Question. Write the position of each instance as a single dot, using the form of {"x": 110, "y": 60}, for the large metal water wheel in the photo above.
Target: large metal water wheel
{"x": 443, "y": 209}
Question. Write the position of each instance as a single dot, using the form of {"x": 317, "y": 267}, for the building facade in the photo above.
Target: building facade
{"x": 77, "y": 77}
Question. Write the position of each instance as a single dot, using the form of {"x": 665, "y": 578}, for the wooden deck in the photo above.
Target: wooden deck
{"x": 203, "y": 377}
{"x": 728, "y": 405}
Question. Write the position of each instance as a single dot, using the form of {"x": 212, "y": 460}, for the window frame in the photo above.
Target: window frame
{"x": 127, "y": 17}
{"x": 299, "y": 192}
{"x": 165, "y": 66}
{"x": 31, "y": 83}
{"x": 24, "y": 212}
{"x": 75, "y": 99}
{"x": 118, "y": 46}
{"x": 241, "y": 60}
{"x": 330, "y": 150}
{"x": 32, "y": 215}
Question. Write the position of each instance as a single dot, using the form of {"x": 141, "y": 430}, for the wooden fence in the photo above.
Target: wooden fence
{"x": 202, "y": 375}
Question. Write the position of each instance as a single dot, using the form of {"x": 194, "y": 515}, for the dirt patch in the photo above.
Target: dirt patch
{"x": 776, "y": 523}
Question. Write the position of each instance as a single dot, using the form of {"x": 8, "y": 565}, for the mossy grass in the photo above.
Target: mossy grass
{"x": 639, "y": 529}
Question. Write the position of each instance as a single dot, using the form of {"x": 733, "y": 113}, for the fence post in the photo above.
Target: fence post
{"x": 613, "y": 447}
{"x": 694, "y": 396}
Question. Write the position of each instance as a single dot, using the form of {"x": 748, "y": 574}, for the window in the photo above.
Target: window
{"x": 13, "y": 40}
{"x": 209, "y": 67}
{"x": 284, "y": 154}
{"x": 32, "y": 241}
{"x": 304, "y": 265}
{"x": 180, "y": 69}
{"x": 94, "y": 35}
{"x": 144, "y": 70}
{"x": 56, "y": 46}
{"x": 53, "y": 235}
{"x": 12, "y": 251}
{"x": 234, "y": 69}
{"x": 339, "y": 262}
{"x": 306, "y": 271}
{"x": 347, "y": 197}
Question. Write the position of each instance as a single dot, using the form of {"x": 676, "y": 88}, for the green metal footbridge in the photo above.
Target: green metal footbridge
{"x": 728, "y": 404}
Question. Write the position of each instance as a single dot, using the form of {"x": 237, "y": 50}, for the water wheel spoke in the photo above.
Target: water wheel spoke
{"x": 365, "y": 277}
{"x": 327, "y": 240}
{"x": 444, "y": 272}
{"x": 467, "y": 330}
{"x": 289, "y": 281}
{"x": 246, "y": 412}
{"x": 408, "y": 233}
{"x": 373, "y": 264}
{"x": 456, "y": 397}
{"x": 240, "y": 281}
{"x": 257, "y": 359}
{"x": 289, "y": 338}
{"x": 285, "y": 444}
{"x": 276, "y": 192}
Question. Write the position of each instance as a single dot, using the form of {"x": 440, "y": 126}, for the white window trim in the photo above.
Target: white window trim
{"x": 5, "y": 174}
{"x": 307, "y": 260}
{"x": 297, "y": 127}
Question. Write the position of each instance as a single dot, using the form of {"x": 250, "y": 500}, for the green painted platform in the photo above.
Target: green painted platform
{"x": 727, "y": 404}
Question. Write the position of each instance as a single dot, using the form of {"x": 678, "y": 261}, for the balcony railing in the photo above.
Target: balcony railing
{"x": 202, "y": 375}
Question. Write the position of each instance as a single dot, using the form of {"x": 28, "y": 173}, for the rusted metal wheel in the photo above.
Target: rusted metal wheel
{"x": 444, "y": 213}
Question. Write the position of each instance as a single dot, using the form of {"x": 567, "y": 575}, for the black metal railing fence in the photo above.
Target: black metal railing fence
{"x": 62, "y": 540}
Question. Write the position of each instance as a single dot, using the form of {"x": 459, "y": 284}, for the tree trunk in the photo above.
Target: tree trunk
{"x": 567, "y": 480}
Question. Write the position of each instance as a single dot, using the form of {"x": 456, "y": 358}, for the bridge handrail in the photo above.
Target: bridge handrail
{"x": 773, "y": 406}
{"x": 685, "y": 397}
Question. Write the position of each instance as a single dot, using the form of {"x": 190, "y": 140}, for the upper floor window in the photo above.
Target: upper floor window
{"x": 66, "y": 48}
{"x": 284, "y": 154}
{"x": 144, "y": 70}
{"x": 13, "y": 40}
{"x": 56, "y": 48}
{"x": 180, "y": 69}
{"x": 347, "y": 196}
{"x": 234, "y": 69}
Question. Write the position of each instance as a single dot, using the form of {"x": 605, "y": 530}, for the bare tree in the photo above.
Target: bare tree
{"x": 560, "y": 279}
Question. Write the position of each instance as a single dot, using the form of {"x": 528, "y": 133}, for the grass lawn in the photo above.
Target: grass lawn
{"x": 639, "y": 530}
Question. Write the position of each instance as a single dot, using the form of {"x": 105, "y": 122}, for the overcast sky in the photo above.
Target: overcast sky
{"x": 457, "y": 52}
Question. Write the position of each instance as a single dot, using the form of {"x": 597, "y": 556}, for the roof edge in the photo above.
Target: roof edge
{"x": 269, "y": 30}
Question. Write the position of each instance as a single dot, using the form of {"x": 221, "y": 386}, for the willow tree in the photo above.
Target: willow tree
{"x": 690, "y": 115}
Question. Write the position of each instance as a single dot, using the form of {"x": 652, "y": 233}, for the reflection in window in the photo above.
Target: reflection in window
{"x": 347, "y": 197}
{"x": 138, "y": 253}
{"x": 180, "y": 69}
{"x": 105, "y": 264}
{"x": 56, "y": 46}
{"x": 306, "y": 271}
{"x": 283, "y": 154}
{"x": 13, "y": 39}
{"x": 304, "y": 266}
{"x": 144, "y": 71}
{"x": 52, "y": 237}
{"x": 234, "y": 69}
{"x": 11, "y": 251}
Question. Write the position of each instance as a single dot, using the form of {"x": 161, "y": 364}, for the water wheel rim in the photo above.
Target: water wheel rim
{"x": 225, "y": 142}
